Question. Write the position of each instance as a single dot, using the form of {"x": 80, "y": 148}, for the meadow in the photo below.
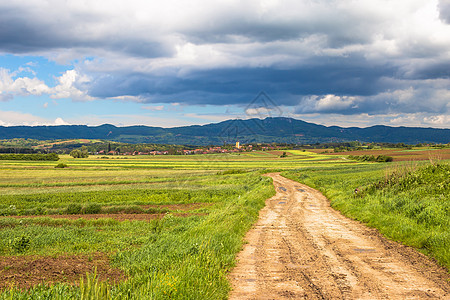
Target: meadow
{"x": 165, "y": 227}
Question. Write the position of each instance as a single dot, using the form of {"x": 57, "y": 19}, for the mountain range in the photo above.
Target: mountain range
{"x": 280, "y": 130}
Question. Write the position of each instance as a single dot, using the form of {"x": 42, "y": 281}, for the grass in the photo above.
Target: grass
{"x": 188, "y": 257}
{"x": 171, "y": 257}
{"x": 405, "y": 202}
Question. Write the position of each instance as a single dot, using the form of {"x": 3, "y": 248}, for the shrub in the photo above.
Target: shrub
{"x": 39, "y": 156}
{"x": 379, "y": 158}
{"x": 153, "y": 210}
{"x": 93, "y": 208}
{"x": 61, "y": 166}
{"x": 21, "y": 244}
{"x": 73, "y": 209}
{"x": 79, "y": 153}
{"x": 232, "y": 171}
{"x": 133, "y": 209}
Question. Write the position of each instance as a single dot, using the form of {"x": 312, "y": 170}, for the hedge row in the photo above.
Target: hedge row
{"x": 39, "y": 156}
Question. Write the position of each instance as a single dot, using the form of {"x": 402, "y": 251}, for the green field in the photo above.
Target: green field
{"x": 172, "y": 225}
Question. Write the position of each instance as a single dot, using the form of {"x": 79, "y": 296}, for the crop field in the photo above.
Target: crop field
{"x": 164, "y": 227}
{"x": 415, "y": 154}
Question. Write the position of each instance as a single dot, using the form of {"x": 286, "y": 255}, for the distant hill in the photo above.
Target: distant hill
{"x": 280, "y": 130}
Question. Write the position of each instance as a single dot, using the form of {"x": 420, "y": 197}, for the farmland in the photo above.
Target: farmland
{"x": 170, "y": 226}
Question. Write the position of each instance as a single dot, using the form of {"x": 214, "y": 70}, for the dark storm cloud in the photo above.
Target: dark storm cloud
{"x": 444, "y": 10}
{"x": 38, "y": 30}
{"x": 339, "y": 76}
{"x": 431, "y": 70}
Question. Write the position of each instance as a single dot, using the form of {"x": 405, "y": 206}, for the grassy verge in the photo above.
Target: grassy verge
{"x": 408, "y": 203}
{"x": 170, "y": 258}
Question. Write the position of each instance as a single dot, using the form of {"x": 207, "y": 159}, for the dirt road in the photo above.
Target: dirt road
{"x": 302, "y": 248}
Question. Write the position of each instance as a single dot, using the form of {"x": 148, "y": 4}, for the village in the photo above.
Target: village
{"x": 206, "y": 150}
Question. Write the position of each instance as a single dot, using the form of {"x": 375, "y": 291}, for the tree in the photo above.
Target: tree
{"x": 79, "y": 153}
{"x": 75, "y": 153}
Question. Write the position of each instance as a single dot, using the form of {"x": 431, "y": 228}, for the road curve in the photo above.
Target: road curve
{"x": 301, "y": 248}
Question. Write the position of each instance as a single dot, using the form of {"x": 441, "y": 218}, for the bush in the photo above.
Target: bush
{"x": 232, "y": 171}
{"x": 21, "y": 244}
{"x": 79, "y": 153}
{"x": 61, "y": 166}
{"x": 39, "y": 156}
{"x": 73, "y": 209}
{"x": 153, "y": 210}
{"x": 379, "y": 158}
{"x": 384, "y": 158}
{"x": 93, "y": 208}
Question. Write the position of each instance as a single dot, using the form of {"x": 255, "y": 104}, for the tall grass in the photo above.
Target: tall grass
{"x": 408, "y": 203}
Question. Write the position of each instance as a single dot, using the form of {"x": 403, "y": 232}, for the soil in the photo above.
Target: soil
{"x": 301, "y": 248}
{"x": 118, "y": 217}
{"x": 181, "y": 206}
{"x": 27, "y": 271}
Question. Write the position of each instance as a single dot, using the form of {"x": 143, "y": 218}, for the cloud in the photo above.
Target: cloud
{"x": 130, "y": 120}
{"x": 345, "y": 57}
{"x": 15, "y": 118}
{"x": 153, "y": 108}
{"x": 19, "y": 86}
{"x": 60, "y": 121}
{"x": 207, "y": 118}
{"x": 366, "y": 120}
{"x": 444, "y": 10}
{"x": 328, "y": 104}
{"x": 67, "y": 86}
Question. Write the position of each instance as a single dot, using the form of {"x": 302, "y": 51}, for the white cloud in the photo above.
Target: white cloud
{"x": 207, "y": 118}
{"x": 67, "y": 87}
{"x": 366, "y": 120}
{"x": 20, "y": 86}
{"x": 328, "y": 103}
{"x": 16, "y": 118}
{"x": 60, "y": 121}
{"x": 153, "y": 108}
{"x": 261, "y": 112}
{"x": 333, "y": 102}
{"x": 421, "y": 120}
{"x": 129, "y": 120}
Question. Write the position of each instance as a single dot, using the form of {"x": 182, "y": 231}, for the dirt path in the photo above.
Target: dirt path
{"x": 302, "y": 248}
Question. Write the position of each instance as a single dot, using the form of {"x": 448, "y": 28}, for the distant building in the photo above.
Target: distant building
{"x": 238, "y": 146}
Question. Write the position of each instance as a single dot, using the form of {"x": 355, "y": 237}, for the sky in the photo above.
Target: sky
{"x": 174, "y": 63}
